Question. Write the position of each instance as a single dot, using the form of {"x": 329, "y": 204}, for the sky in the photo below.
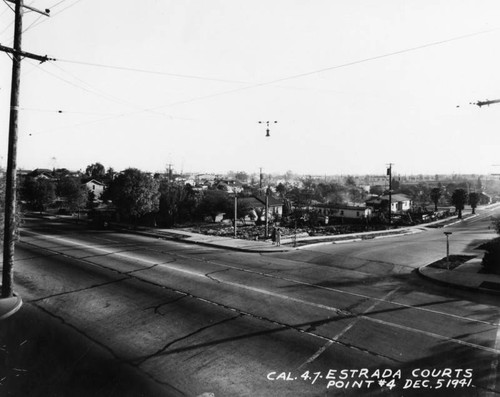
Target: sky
{"x": 353, "y": 85}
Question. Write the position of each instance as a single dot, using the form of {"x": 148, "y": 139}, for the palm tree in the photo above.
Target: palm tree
{"x": 458, "y": 199}
{"x": 435, "y": 196}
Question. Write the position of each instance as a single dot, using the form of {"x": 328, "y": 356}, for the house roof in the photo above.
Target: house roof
{"x": 95, "y": 182}
{"x": 272, "y": 201}
{"x": 394, "y": 198}
{"x": 259, "y": 201}
{"x": 342, "y": 207}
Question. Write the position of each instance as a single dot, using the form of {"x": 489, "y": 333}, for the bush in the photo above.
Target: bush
{"x": 491, "y": 259}
{"x": 496, "y": 224}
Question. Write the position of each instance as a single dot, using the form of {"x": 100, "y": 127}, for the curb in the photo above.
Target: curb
{"x": 455, "y": 285}
{"x": 185, "y": 239}
{"x": 8, "y": 306}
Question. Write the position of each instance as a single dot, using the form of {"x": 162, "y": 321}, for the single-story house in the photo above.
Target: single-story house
{"x": 257, "y": 205}
{"x": 399, "y": 202}
{"x": 343, "y": 211}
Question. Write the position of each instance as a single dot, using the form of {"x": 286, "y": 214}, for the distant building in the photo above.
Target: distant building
{"x": 96, "y": 187}
{"x": 399, "y": 203}
{"x": 257, "y": 205}
{"x": 229, "y": 186}
{"x": 343, "y": 211}
{"x": 41, "y": 173}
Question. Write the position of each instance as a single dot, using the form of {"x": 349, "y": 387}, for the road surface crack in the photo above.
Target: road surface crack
{"x": 156, "y": 309}
{"x": 171, "y": 343}
{"x": 78, "y": 290}
{"x": 208, "y": 275}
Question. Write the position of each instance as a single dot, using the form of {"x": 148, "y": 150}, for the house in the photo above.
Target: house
{"x": 257, "y": 205}
{"x": 399, "y": 203}
{"x": 41, "y": 173}
{"x": 229, "y": 186}
{"x": 343, "y": 211}
{"x": 96, "y": 187}
{"x": 485, "y": 199}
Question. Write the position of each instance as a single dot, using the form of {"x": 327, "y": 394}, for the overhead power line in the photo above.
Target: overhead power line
{"x": 266, "y": 83}
{"x": 159, "y": 72}
{"x": 327, "y": 69}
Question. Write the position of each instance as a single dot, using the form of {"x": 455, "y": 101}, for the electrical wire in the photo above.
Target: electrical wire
{"x": 270, "y": 82}
{"x": 130, "y": 69}
{"x": 33, "y": 25}
{"x": 296, "y": 76}
{"x": 86, "y": 87}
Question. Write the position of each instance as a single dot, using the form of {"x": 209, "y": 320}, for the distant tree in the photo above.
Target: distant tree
{"x": 73, "y": 191}
{"x": 281, "y": 189}
{"x": 377, "y": 189}
{"x": 435, "y": 196}
{"x": 134, "y": 193}
{"x": 215, "y": 202}
{"x": 356, "y": 195}
{"x": 60, "y": 172}
{"x": 109, "y": 176}
{"x": 474, "y": 201}
{"x": 241, "y": 176}
{"x": 242, "y": 210}
{"x": 459, "y": 199}
{"x": 95, "y": 171}
{"x": 38, "y": 193}
{"x": 289, "y": 176}
{"x": 350, "y": 181}
{"x": 479, "y": 184}
{"x": 308, "y": 183}
{"x": 395, "y": 184}
{"x": 496, "y": 224}
{"x": 90, "y": 199}
{"x": 301, "y": 197}
{"x": 177, "y": 203}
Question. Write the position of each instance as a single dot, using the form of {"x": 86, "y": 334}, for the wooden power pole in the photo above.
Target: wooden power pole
{"x": 389, "y": 172}
{"x": 11, "y": 176}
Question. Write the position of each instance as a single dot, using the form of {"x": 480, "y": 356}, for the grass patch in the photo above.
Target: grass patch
{"x": 454, "y": 261}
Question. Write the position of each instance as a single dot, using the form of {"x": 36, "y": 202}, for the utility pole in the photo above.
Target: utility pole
{"x": 389, "y": 172}
{"x": 11, "y": 175}
{"x": 266, "y": 217}
{"x": 169, "y": 174}
{"x": 235, "y": 214}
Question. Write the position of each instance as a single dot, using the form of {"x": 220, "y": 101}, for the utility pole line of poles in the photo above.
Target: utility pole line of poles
{"x": 11, "y": 175}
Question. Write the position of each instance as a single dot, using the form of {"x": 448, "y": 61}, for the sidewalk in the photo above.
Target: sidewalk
{"x": 262, "y": 246}
{"x": 258, "y": 246}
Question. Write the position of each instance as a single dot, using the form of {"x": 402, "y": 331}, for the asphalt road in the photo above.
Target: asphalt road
{"x": 331, "y": 319}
